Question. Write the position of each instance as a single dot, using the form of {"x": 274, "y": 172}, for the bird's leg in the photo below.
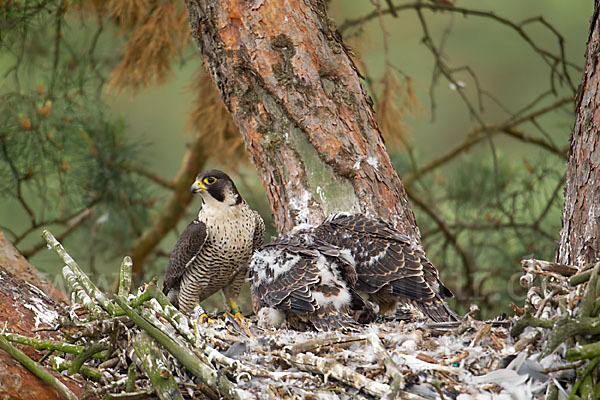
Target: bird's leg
{"x": 188, "y": 298}
{"x": 237, "y": 319}
{"x": 235, "y": 310}
{"x": 198, "y": 315}
{"x": 232, "y": 291}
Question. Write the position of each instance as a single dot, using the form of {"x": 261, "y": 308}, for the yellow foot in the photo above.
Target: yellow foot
{"x": 204, "y": 318}
{"x": 200, "y": 316}
{"x": 238, "y": 315}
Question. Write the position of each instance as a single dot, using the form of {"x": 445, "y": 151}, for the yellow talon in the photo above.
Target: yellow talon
{"x": 238, "y": 315}
{"x": 204, "y": 318}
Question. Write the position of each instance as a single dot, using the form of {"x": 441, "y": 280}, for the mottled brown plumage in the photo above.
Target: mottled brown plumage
{"x": 390, "y": 269}
{"x": 323, "y": 276}
{"x": 310, "y": 282}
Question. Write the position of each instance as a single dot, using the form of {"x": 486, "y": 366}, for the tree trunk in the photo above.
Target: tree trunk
{"x": 580, "y": 233}
{"x": 23, "y": 309}
{"x": 293, "y": 90}
{"x": 14, "y": 263}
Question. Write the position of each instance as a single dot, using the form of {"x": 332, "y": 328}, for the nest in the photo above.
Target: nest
{"x": 139, "y": 345}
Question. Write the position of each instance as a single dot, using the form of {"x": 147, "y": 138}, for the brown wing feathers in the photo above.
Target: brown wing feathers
{"x": 365, "y": 255}
{"x": 384, "y": 256}
{"x": 187, "y": 246}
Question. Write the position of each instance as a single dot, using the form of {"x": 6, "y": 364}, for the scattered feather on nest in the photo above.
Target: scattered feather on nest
{"x": 522, "y": 358}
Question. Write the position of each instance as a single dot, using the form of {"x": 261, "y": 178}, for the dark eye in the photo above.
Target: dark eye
{"x": 210, "y": 180}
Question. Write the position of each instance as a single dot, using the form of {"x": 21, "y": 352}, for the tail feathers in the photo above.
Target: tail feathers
{"x": 329, "y": 318}
{"x": 437, "y": 310}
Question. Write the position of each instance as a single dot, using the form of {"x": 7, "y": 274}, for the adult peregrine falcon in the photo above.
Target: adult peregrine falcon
{"x": 344, "y": 264}
{"x": 213, "y": 251}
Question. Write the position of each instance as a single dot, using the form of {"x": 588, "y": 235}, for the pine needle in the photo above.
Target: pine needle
{"x": 159, "y": 37}
{"x": 214, "y": 123}
{"x": 128, "y": 12}
{"x": 396, "y": 101}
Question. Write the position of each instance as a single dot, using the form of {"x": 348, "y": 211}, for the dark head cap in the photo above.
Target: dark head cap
{"x": 218, "y": 185}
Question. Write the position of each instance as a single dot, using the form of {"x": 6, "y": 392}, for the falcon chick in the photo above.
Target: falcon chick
{"x": 213, "y": 251}
{"x": 365, "y": 259}
{"x": 308, "y": 282}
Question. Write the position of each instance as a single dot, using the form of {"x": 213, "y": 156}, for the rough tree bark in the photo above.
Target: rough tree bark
{"x": 580, "y": 233}
{"x": 295, "y": 93}
{"x": 28, "y": 302}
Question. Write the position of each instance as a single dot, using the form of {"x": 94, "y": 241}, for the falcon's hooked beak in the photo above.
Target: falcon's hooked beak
{"x": 198, "y": 187}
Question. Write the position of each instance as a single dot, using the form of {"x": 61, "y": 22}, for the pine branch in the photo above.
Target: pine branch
{"x": 37, "y": 369}
{"x": 82, "y": 278}
{"x": 170, "y": 214}
{"x": 160, "y": 180}
{"x": 155, "y": 365}
{"x": 80, "y": 219}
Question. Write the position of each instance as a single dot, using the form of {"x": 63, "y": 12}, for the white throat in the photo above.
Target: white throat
{"x": 212, "y": 208}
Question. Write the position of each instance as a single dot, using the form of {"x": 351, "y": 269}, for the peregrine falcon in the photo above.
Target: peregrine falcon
{"x": 346, "y": 263}
{"x": 213, "y": 251}
{"x": 309, "y": 282}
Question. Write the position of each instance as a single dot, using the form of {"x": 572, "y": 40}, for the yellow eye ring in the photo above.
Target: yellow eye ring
{"x": 210, "y": 180}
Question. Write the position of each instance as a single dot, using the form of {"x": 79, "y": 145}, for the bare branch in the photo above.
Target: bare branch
{"x": 174, "y": 208}
{"x": 156, "y": 178}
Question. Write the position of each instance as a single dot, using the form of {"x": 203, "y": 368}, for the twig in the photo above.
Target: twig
{"x": 131, "y": 375}
{"x": 155, "y": 365}
{"x": 582, "y": 352}
{"x": 183, "y": 354}
{"x": 391, "y": 367}
{"x": 139, "y": 395}
{"x": 330, "y": 368}
{"x": 41, "y": 344}
{"x": 315, "y": 345}
{"x": 583, "y": 376}
{"x": 545, "y": 300}
{"x": 567, "y": 327}
{"x": 79, "y": 219}
{"x": 580, "y": 278}
{"x": 93, "y": 329}
{"x": 177, "y": 319}
{"x": 478, "y": 134}
{"x": 60, "y": 364}
{"x": 528, "y": 320}
{"x": 125, "y": 277}
{"x": 562, "y": 367}
{"x": 85, "y": 281}
{"x": 82, "y": 357}
{"x": 589, "y": 298}
{"x": 37, "y": 369}
{"x": 81, "y": 294}
{"x": 134, "y": 167}
{"x": 479, "y": 13}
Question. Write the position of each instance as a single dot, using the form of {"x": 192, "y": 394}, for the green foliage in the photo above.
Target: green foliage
{"x": 497, "y": 213}
{"x": 61, "y": 152}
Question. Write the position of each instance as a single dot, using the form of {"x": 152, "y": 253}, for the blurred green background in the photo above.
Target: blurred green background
{"x": 464, "y": 191}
